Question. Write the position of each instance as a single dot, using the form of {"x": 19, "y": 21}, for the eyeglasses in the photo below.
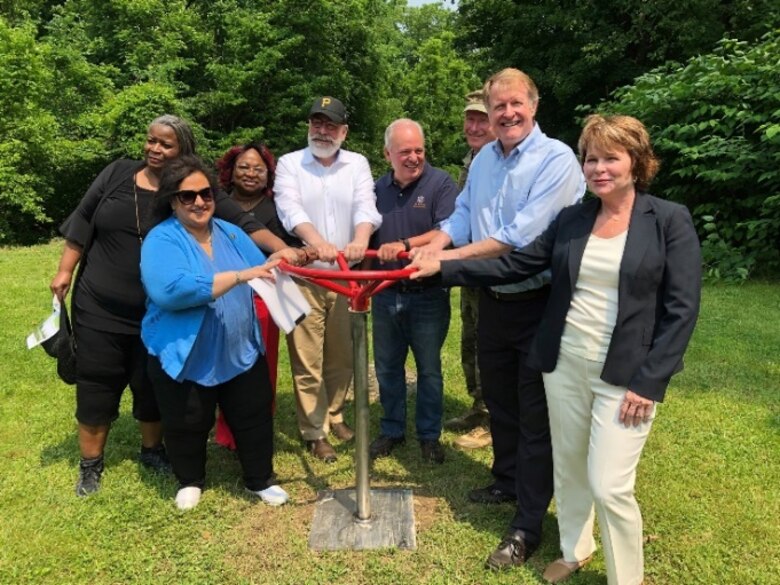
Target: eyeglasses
{"x": 320, "y": 124}
{"x": 259, "y": 171}
{"x": 188, "y": 197}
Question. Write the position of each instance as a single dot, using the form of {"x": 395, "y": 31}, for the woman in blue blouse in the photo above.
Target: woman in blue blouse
{"x": 203, "y": 337}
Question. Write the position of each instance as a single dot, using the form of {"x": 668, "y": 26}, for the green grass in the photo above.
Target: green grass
{"x": 709, "y": 482}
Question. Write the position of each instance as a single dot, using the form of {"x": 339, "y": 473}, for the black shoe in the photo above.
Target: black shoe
{"x": 156, "y": 459}
{"x": 432, "y": 451}
{"x": 90, "y": 471}
{"x": 512, "y": 551}
{"x": 491, "y": 495}
{"x": 467, "y": 421}
{"x": 383, "y": 445}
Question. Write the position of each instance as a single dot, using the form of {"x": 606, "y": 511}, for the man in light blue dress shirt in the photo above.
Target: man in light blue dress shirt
{"x": 515, "y": 188}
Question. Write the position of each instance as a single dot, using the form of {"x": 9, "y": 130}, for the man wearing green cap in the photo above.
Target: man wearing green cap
{"x": 475, "y": 421}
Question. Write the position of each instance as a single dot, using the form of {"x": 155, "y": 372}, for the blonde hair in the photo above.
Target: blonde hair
{"x": 626, "y": 132}
{"x": 510, "y": 76}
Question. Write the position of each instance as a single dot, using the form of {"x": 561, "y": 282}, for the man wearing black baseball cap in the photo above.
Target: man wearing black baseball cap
{"x": 329, "y": 107}
{"x": 325, "y": 196}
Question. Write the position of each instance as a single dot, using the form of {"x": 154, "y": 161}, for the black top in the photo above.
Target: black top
{"x": 265, "y": 212}
{"x": 414, "y": 210}
{"x": 109, "y": 295}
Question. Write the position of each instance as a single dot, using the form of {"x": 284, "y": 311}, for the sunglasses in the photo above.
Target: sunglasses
{"x": 188, "y": 197}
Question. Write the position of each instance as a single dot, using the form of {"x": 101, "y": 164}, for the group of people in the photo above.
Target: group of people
{"x": 575, "y": 313}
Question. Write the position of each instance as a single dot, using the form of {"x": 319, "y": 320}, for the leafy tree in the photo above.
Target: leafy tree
{"x": 715, "y": 122}
{"x": 578, "y": 51}
{"x": 28, "y": 132}
{"x": 138, "y": 40}
{"x": 435, "y": 88}
{"x": 427, "y": 79}
{"x": 270, "y": 59}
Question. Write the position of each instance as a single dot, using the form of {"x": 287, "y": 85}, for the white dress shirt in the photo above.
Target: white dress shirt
{"x": 334, "y": 199}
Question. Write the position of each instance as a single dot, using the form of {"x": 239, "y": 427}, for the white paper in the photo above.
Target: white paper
{"x": 48, "y": 328}
{"x": 283, "y": 298}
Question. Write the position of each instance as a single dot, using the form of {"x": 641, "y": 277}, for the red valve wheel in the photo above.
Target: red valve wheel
{"x": 372, "y": 281}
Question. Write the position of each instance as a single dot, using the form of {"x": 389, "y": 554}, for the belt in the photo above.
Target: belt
{"x": 523, "y": 295}
{"x": 404, "y": 287}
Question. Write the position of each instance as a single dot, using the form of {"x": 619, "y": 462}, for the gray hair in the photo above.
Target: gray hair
{"x": 183, "y": 132}
{"x": 399, "y": 122}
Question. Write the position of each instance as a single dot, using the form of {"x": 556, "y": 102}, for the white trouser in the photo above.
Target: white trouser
{"x": 595, "y": 458}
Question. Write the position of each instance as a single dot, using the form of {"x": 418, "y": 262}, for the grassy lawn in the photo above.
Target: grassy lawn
{"x": 709, "y": 482}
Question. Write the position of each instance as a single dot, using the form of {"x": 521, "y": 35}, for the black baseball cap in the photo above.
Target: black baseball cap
{"x": 330, "y": 107}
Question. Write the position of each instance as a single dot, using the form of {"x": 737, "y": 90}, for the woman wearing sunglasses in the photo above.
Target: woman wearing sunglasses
{"x": 103, "y": 236}
{"x": 203, "y": 337}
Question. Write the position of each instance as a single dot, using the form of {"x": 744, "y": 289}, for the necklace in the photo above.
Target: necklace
{"x": 248, "y": 203}
{"x": 137, "y": 214}
{"x": 206, "y": 242}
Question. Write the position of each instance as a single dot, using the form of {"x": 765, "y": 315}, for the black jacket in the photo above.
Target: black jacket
{"x": 658, "y": 292}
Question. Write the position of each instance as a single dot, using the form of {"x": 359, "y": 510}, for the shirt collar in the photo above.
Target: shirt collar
{"x": 309, "y": 158}
{"x": 411, "y": 185}
{"x": 526, "y": 144}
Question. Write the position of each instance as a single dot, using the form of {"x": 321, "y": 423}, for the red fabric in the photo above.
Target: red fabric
{"x": 270, "y": 333}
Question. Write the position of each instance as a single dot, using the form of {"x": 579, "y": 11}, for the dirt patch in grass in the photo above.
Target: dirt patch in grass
{"x": 269, "y": 539}
{"x": 426, "y": 512}
{"x": 270, "y": 545}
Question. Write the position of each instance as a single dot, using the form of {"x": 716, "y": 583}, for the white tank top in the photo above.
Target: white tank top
{"x": 594, "y": 305}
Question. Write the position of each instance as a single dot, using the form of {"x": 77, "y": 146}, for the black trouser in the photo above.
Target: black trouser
{"x": 514, "y": 396}
{"x": 188, "y": 413}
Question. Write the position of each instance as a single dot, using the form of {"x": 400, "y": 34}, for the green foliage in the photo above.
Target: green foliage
{"x": 715, "y": 122}
{"x": 82, "y": 80}
{"x": 28, "y": 132}
{"x": 435, "y": 87}
{"x": 578, "y": 52}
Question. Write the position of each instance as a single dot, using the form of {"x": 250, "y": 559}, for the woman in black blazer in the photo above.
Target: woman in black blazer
{"x": 626, "y": 283}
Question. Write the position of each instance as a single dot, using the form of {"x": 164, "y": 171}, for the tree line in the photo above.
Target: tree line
{"x": 81, "y": 79}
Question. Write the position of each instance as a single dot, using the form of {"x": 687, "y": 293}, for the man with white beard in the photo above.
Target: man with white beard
{"x": 325, "y": 196}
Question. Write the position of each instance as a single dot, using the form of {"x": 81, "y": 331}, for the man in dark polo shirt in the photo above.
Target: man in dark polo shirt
{"x": 413, "y": 199}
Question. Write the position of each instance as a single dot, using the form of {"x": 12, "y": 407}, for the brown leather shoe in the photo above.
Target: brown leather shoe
{"x": 321, "y": 449}
{"x": 560, "y": 570}
{"x": 342, "y": 431}
{"x": 477, "y": 439}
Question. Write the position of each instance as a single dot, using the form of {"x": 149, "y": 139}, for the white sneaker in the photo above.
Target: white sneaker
{"x": 188, "y": 497}
{"x": 273, "y": 495}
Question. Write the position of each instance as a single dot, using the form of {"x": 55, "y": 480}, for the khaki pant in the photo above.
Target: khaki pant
{"x": 594, "y": 461}
{"x": 321, "y": 361}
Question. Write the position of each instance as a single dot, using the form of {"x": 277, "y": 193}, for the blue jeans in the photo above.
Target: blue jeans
{"x": 416, "y": 320}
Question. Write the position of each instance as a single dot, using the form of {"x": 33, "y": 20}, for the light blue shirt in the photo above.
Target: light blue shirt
{"x": 178, "y": 278}
{"x": 514, "y": 198}
{"x": 229, "y": 342}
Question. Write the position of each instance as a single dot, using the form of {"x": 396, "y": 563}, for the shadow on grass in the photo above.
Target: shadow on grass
{"x": 123, "y": 444}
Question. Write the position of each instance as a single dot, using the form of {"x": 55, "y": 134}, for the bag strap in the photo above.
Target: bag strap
{"x": 127, "y": 171}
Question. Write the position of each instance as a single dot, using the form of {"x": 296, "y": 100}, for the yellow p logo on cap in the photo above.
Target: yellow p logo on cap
{"x": 325, "y": 102}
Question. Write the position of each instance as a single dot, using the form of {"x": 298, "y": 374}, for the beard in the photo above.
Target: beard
{"x": 321, "y": 151}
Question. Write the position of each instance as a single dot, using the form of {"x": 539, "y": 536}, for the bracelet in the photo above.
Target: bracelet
{"x": 238, "y": 277}
{"x": 405, "y": 242}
